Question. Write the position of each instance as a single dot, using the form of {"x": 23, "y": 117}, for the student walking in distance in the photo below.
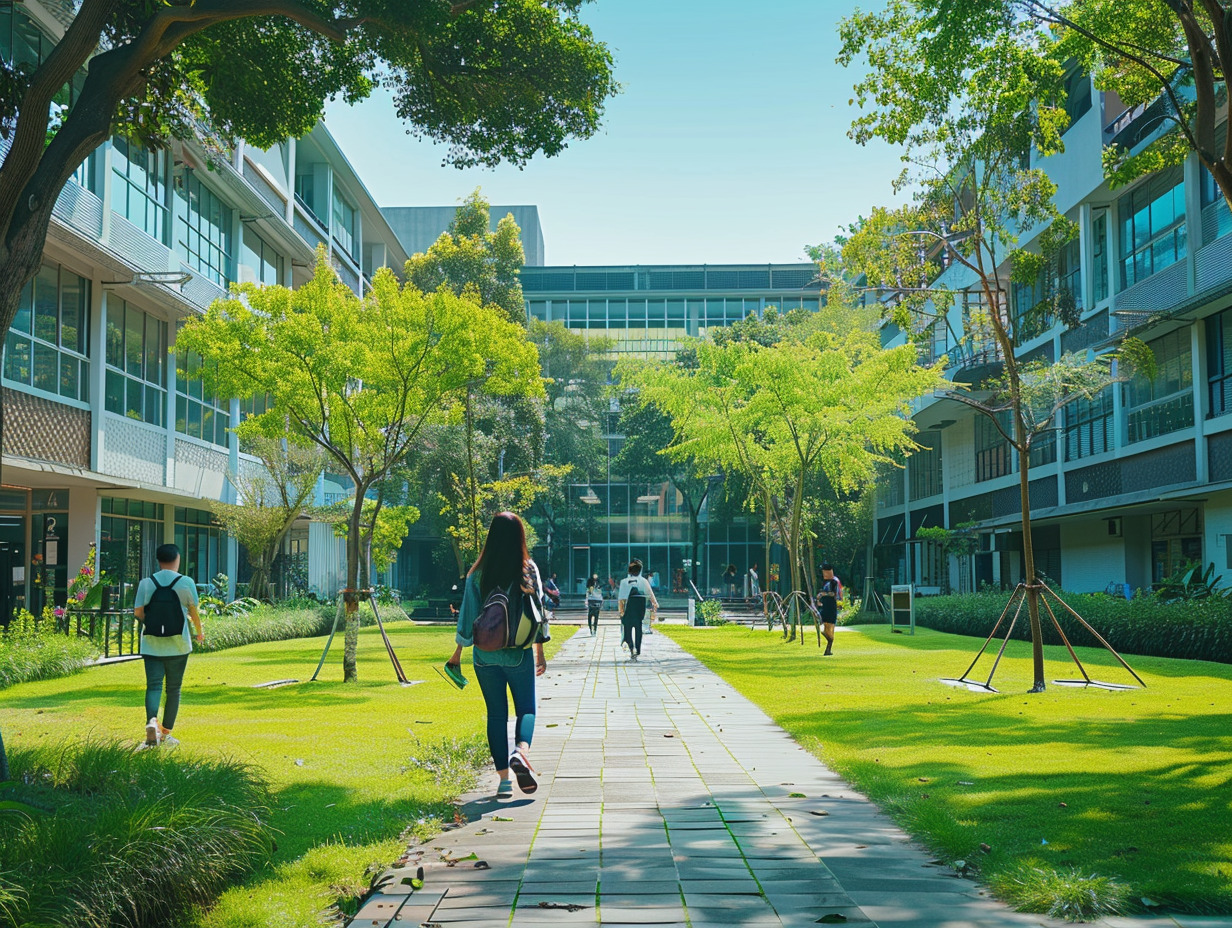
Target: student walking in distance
{"x": 594, "y": 603}
{"x": 754, "y": 583}
{"x": 164, "y": 604}
{"x": 634, "y": 593}
{"x": 829, "y": 595}
{"x": 504, "y": 560}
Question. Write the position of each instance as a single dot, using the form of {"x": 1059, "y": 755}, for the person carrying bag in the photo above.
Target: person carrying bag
{"x": 502, "y": 619}
{"x": 632, "y": 599}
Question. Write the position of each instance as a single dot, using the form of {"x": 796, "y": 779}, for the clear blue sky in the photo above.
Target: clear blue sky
{"x": 727, "y": 144}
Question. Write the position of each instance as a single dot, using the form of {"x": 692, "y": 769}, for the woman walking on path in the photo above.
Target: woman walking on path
{"x": 594, "y": 603}
{"x": 503, "y": 560}
{"x": 634, "y": 593}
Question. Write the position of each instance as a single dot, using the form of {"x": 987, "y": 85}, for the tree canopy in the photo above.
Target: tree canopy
{"x": 361, "y": 380}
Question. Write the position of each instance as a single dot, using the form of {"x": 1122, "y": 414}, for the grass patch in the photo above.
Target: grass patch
{"x": 41, "y": 656}
{"x": 337, "y": 756}
{"x": 1129, "y": 786}
{"x": 112, "y": 836}
{"x": 265, "y": 623}
{"x": 1071, "y": 895}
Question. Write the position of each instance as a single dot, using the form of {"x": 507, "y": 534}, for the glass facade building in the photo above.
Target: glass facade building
{"x": 647, "y": 311}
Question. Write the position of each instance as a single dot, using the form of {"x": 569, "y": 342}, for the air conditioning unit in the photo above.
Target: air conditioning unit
{"x": 1114, "y": 527}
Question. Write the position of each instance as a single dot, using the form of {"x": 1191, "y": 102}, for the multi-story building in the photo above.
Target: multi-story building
{"x": 1137, "y": 481}
{"x": 103, "y": 442}
{"x": 646, "y": 310}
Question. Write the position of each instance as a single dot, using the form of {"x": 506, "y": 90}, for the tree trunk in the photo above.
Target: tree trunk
{"x": 766, "y": 540}
{"x": 1028, "y": 559}
{"x": 258, "y": 583}
{"x": 351, "y": 639}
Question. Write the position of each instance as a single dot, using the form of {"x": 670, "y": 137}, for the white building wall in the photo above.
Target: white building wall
{"x": 1217, "y": 529}
{"x": 326, "y": 560}
{"x": 1090, "y": 557}
{"x": 958, "y": 442}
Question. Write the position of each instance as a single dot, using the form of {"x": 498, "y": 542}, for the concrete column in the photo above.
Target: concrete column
{"x": 98, "y": 370}
{"x": 1197, "y": 343}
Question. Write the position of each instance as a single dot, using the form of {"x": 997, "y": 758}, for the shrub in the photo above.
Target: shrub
{"x": 126, "y": 838}
{"x": 30, "y": 652}
{"x": 710, "y": 611}
{"x": 1143, "y": 625}
{"x": 266, "y": 623}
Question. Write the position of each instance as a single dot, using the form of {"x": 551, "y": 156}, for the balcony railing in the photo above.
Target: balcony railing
{"x": 1160, "y": 417}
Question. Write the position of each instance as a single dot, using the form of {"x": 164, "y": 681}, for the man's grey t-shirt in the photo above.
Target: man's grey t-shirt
{"x": 184, "y": 588}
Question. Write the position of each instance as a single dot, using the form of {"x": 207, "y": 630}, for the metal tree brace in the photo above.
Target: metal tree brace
{"x": 1020, "y": 594}
{"x": 349, "y": 598}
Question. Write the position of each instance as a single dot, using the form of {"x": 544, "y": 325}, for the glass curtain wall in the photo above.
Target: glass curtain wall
{"x": 131, "y": 531}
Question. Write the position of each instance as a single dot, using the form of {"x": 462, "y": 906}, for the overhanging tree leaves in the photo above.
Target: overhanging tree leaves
{"x": 496, "y": 81}
{"x": 966, "y": 113}
{"x": 1168, "y": 57}
{"x": 359, "y": 380}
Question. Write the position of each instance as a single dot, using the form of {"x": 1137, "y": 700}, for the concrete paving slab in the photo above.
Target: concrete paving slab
{"x": 704, "y": 818}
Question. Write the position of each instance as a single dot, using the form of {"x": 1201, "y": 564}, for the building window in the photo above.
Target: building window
{"x": 47, "y": 344}
{"x": 1214, "y": 206}
{"x": 1152, "y": 227}
{"x": 1044, "y": 449}
{"x": 1088, "y": 426}
{"x": 992, "y": 451}
{"x": 1165, "y": 404}
{"x": 1077, "y": 95}
{"x": 136, "y": 363}
{"x": 343, "y": 229}
{"x": 131, "y": 531}
{"x": 197, "y": 412}
{"x": 1099, "y": 264}
{"x": 925, "y": 466}
{"x": 1032, "y": 308}
{"x": 1219, "y": 362}
{"x": 140, "y": 191}
{"x": 260, "y": 256}
{"x": 205, "y": 235}
{"x": 1069, "y": 275}
{"x": 201, "y": 542}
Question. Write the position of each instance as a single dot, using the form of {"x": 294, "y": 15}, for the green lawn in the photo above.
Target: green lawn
{"x": 336, "y": 755}
{"x": 1133, "y": 785}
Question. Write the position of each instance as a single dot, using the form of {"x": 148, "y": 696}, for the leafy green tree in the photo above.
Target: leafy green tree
{"x": 965, "y": 118}
{"x": 495, "y": 81}
{"x": 270, "y": 499}
{"x": 382, "y": 530}
{"x": 359, "y": 379}
{"x": 1142, "y": 50}
{"x": 468, "y": 258}
{"x": 827, "y": 400}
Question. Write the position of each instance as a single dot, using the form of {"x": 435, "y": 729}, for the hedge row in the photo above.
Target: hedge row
{"x": 42, "y": 657}
{"x": 1200, "y": 630}
{"x": 265, "y": 623}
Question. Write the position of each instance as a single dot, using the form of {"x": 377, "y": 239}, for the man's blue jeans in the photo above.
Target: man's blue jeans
{"x": 156, "y": 668}
{"x": 519, "y": 680}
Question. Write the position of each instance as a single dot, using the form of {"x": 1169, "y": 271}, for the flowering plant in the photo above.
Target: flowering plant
{"x": 774, "y": 573}
{"x": 85, "y": 591}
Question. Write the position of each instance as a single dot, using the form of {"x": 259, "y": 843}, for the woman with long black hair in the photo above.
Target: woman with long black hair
{"x": 503, "y": 560}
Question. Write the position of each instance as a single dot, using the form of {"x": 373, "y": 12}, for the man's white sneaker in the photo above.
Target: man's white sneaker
{"x": 153, "y": 734}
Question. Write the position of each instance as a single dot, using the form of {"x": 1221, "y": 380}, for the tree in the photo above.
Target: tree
{"x": 359, "y": 380}
{"x": 826, "y": 400}
{"x": 468, "y": 258}
{"x": 495, "y": 81}
{"x": 270, "y": 499}
{"x": 965, "y": 116}
{"x": 381, "y": 532}
{"x": 1170, "y": 51}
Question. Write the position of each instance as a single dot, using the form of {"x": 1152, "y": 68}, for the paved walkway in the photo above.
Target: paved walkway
{"x": 666, "y": 798}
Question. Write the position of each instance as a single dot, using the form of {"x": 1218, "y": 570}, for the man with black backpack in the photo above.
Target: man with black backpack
{"x": 632, "y": 598}
{"x": 163, "y": 602}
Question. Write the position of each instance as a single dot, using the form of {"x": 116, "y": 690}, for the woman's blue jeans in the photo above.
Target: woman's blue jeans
{"x": 519, "y": 680}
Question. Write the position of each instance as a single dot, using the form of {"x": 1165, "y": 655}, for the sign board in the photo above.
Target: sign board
{"x": 902, "y": 608}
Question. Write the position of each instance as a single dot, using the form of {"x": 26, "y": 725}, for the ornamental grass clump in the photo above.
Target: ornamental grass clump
{"x": 37, "y": 651}
{"x": 266, "y": 623}
{"x": 1071, "y": 894}
{"x": 109, "y": 836}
